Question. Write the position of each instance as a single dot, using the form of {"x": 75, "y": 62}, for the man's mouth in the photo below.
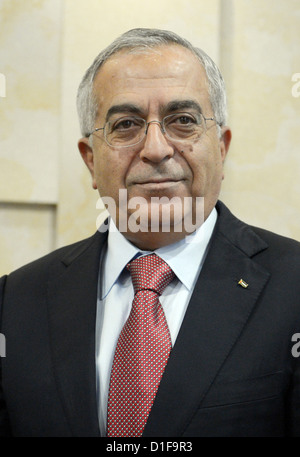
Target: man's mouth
{"x": 158, "y": 183}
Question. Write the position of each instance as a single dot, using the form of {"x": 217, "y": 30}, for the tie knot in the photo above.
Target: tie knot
{"x": 150, "y": 273}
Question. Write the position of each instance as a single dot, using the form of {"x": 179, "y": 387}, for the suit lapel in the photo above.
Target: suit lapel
{"x": 72, "y": 298}
{"x": 215, "y": 318}
{"x": 216, "y": 315}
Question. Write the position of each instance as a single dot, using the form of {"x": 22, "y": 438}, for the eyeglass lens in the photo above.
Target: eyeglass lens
{"x": 131, "y": 130}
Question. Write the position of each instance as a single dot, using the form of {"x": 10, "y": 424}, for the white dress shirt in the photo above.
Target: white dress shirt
{"x": 115, "y": 294}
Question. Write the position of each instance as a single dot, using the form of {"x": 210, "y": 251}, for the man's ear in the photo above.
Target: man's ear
{"x": 87, "y": 155}
{"x": 225, "y": 140}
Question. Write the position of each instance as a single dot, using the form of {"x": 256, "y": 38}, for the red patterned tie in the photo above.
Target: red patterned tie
{"x": 142, "y": 350}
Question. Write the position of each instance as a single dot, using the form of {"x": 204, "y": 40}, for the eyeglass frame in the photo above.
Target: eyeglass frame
{"x": 161, "y": 124}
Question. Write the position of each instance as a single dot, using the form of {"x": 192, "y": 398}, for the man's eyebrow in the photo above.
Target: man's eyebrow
{"x": 179, "y": 105}
{"x": 173, "y": 106}
{"x": 123, "y": 108}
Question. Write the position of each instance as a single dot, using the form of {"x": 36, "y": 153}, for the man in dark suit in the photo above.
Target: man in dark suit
{"x": 153, "y": 113}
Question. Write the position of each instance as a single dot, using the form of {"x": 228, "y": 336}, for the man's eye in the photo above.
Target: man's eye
{"x": 123, "y": 125}
{"x": 183, "y": 119}
{"x": 126, "y": 124}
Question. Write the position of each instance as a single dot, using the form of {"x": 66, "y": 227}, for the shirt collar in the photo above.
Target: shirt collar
{"x": 187, "y": 255}
{"x": 184, "y": 257}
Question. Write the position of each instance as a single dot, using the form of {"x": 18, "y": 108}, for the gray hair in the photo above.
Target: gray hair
{"x": 144, "y": 39}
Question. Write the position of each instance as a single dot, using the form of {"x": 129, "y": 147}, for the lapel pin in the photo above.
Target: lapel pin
{"x": 243, "y": 283}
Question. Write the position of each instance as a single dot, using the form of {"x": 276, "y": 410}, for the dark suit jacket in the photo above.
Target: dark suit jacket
{"x": 230, "y": 373}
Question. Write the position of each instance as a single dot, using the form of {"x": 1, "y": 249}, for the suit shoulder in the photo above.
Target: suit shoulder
{"x": 256, "y": 242}
{"x": 251, "y": 239}
{"x": 282, "y": 255}
{"x": 63, "y": 254}
{"x": 278, "y": 242}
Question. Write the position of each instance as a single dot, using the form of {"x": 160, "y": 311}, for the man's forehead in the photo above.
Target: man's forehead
{"x": 166, "y": 69}
{"x": 164, "y": 60}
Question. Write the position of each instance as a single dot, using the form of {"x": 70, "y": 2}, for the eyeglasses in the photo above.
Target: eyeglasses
{"x": 128, "y": 131}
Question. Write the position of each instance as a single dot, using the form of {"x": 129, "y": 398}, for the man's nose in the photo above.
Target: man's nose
{"x": 156, "y": 147}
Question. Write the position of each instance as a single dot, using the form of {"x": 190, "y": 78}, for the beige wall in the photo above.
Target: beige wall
{"x": 46, "y": 198}
{"x": 262, "y": 182}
